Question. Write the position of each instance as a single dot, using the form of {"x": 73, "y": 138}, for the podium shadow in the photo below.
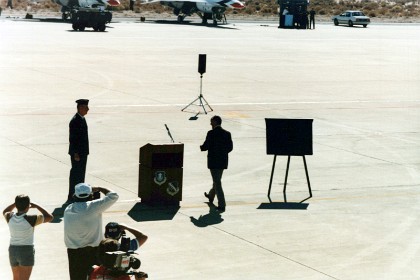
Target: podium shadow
{"x": 283, "y": 206}
{"x": 211, "y": 218}
{"x": 142, "y": 212}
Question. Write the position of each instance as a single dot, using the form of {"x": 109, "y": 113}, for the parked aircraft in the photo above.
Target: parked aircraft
{"x": 68, "y": 5}
{"x": 206, "y": 9}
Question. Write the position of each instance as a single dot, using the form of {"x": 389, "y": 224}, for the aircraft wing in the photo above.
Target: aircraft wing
{"x": 158, "y": 1}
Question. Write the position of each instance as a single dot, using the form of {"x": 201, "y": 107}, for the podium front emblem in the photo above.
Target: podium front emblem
{"x": 172, "y": 188}
{"x": 160, "y": 177}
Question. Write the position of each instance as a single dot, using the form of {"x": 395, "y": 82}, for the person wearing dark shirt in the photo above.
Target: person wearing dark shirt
{"x": 116, "y": 231}
{"x": 312, "y": 19}
{"x": 219, "y": 144}
{"x": 78, "y": 146}
{"x": 105, "y": 271}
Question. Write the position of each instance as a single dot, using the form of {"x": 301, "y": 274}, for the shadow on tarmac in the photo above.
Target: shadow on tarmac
{"x": 212, "y": 218}
{"x": 284, "y": 206}
{"x": 142, "y": 212}
{"x": 58, "y": 213}
{"x": 190, "y": 23}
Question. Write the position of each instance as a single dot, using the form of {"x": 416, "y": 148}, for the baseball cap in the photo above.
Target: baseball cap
{"x": 113, "y": 230}
{"x": 82, "y": 190}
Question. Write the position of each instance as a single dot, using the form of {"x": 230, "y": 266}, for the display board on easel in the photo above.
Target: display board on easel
{"x": 289, "y": 137}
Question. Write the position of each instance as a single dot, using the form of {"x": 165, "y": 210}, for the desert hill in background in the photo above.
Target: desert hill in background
{"x": 392, "y": 11}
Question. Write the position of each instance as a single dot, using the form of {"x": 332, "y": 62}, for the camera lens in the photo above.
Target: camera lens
{"x": 135, "y": 263}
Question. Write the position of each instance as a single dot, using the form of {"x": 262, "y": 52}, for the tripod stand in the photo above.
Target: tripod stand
{"x": 200, "y": 98}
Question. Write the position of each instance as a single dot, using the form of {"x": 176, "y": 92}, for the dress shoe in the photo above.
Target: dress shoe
{"x": 208, "y": 197}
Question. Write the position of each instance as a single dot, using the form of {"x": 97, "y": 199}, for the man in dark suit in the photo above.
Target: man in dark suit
{"x": 219, "y": 144}
{"x": 312, "y": 19}
{"x": 79, "y": 146}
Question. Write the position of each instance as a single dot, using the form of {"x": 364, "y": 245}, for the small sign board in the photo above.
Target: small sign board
{"x": 289, "y": 137}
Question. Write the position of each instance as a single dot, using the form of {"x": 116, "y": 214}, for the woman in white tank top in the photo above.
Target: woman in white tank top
{"x": 21, "y": 226}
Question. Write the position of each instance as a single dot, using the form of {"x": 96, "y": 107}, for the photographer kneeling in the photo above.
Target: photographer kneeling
{"x": 115, "y": 265}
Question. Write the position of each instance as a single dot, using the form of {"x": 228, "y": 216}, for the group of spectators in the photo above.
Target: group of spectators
{"x": 300, "y": 17}
{"x": 83, "y": 234}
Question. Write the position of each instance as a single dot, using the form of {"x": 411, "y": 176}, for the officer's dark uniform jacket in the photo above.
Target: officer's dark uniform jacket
{"x": 78, "y": 136}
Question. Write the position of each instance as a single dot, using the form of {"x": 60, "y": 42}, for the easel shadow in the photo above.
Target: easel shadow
{"x": 212, "y": 218}
{"x": 142, "y": 212}
{"x": 283, "y": 206}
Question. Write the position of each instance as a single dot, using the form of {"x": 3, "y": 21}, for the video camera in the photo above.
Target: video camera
{"x": 121, "y": 261}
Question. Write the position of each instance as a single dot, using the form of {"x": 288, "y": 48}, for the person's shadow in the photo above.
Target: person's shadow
{"x": 58, "y": 213}
{"x": 212, "y": 218}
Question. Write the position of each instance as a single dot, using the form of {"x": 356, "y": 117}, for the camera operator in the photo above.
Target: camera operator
{"x": 83, "y": 228}
{"x": 117, "y": 231}
{"x": 108, "y": 270}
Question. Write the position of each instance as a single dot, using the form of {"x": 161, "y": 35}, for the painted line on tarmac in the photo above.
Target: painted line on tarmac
{"x": 266, "y": 103}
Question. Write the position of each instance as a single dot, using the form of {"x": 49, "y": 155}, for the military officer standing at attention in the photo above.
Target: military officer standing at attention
{"x": 219, "y": 144}
{"x": 79, "y": 146}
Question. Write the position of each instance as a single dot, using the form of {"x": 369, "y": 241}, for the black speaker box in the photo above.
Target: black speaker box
{"x": 201, "y": 64}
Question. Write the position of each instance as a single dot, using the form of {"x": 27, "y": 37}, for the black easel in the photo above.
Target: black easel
{"x": 285, "y": 179}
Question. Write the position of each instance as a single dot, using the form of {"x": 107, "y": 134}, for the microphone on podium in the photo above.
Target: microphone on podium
{"x": 169, "y": 133}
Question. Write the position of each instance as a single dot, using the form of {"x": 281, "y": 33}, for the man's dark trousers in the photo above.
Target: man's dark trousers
{"x": 216, "y": 174}
{"x": 81, "y": 261}
{"x": 77, "y": 173}
{"x": 312, "y": 21}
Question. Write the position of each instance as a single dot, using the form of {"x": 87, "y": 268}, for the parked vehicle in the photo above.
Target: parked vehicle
{"x": 351, "y": 18}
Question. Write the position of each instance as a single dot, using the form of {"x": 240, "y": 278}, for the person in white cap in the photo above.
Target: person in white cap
{"x": 83, "y": 227}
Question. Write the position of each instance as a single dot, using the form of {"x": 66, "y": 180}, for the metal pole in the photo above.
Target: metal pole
{"x": 285, "y": 179}
{"x": 307, "y": 176}
{"x": 271, "y": 178}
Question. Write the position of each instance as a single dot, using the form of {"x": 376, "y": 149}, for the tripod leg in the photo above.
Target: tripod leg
{"x": 202, "y": 105}
{"x": 207, "y": 103}
{"x": 190, "y": 104}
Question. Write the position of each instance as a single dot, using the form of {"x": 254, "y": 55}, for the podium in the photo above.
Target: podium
{"x": 160, "y": 174}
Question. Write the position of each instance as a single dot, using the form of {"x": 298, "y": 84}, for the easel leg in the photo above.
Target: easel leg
{"x": 285, "y": 179}
{"x": 307, "y": 177}
{"x": 271, "y": 178}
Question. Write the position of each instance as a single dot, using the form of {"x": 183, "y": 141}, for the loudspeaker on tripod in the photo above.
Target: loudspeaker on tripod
{"x": 202, "y": 63}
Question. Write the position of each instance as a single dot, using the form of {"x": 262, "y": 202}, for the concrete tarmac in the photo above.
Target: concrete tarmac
{"x": 360, "y": 85}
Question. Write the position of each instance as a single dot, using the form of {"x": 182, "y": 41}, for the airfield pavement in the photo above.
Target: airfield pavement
{"x": 361, "y": 86}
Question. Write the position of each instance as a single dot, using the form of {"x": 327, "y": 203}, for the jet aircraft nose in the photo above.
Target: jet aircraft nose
{"x": 113, "y": 2}
{"x": 237, "y": 5}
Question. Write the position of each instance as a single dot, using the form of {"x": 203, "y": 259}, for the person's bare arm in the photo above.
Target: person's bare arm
{"x": 141, "y": 238}
{"x": 48, "y": 217}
